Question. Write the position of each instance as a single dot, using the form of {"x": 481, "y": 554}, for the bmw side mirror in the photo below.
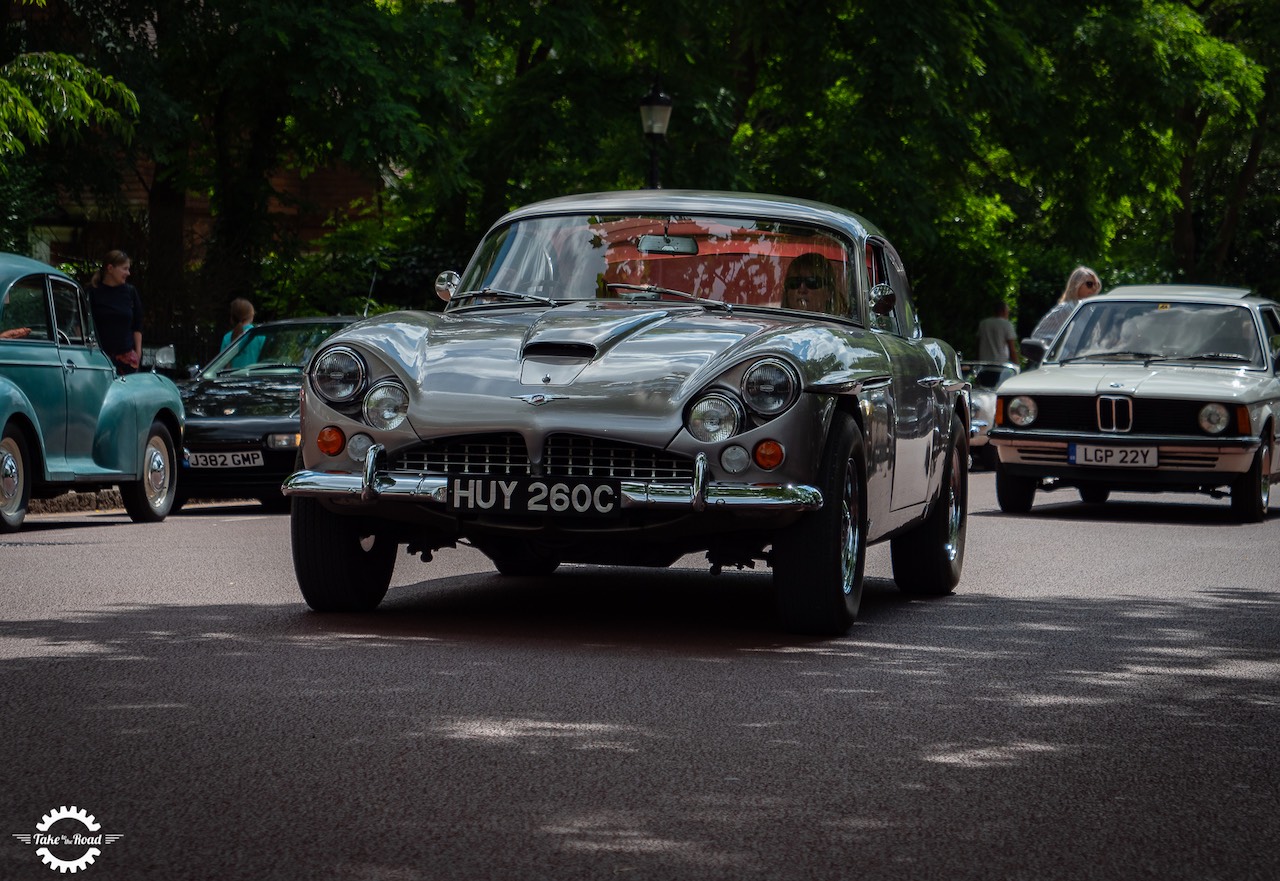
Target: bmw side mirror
{"x": 1033, "y": 350}
{"x": 447, "y": 284}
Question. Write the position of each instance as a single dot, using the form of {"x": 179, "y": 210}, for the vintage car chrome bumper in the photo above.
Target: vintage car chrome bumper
{"x": 1025, "y": 452}
{"x": 698, "y": 494}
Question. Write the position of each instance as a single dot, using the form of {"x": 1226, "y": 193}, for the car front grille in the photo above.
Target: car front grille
{"x": 1121, "y": 414}
{"x": 562, "y": 456}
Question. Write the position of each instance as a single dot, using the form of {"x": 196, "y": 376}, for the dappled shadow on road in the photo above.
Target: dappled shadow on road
{"x": 656, "y": 725}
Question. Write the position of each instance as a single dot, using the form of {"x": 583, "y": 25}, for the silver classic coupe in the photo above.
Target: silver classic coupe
{"x": 1148, "y": 388}
{"x": 627, "y": 378}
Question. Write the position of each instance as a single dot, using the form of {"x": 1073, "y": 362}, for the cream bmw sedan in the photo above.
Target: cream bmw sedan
{"x": 1148, "y": 388}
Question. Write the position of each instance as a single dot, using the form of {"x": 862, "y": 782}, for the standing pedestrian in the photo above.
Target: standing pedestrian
{"x": 117, "y": 312}
{"x": 241, "y": 321}
{"x": 1082, "y": 283}
{"x": 997, "y": 340}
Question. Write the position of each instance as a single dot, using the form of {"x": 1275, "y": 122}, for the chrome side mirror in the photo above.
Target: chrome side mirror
{"x": 447, "y": 284}
{"x": 883, "y": 299}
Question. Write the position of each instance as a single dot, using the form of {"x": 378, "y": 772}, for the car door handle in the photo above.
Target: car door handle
{"x": 71, "y": 365}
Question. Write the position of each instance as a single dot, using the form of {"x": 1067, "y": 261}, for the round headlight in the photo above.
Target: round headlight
{"x": 386, "y": 405}
{"x": 714, "y": 418}
{"x": 1022, "y": 411}
{"x": 1214, "y": 418}
{"x": 338, "y": 375}
{"x": 769, "y": 387}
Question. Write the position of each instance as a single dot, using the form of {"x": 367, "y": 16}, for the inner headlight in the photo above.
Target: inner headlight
{"x": 769, "y": 387}
{"x": 714, "y": 418}
{"x": 386, "y": 405}
{"x": 1022, "y": 411}
{"x": 338, "y": 375}
{"x": 1214, "y": 418}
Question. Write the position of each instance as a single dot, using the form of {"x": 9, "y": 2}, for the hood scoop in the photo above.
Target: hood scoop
{"x": 548, "y": 363}
{"x": 545, "y": 349}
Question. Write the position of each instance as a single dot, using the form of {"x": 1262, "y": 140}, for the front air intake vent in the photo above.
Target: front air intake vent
{"x": 585, "y": 351}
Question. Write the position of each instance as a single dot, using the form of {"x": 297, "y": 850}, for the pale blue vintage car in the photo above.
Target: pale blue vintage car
{"x": 67, "y": 420}
{"x": 626, "y": 378}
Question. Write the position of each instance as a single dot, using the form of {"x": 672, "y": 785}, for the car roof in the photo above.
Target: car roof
{"x": 15, "y": 266}
{"x": 1181, "y": 292}
{"x": 705, "y": 202}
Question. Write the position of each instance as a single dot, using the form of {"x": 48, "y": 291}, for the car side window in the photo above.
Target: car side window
{"x": 883, "y": 314}
{"x": 68, "y": 309}
{"x": 904, "y": 306}
{"x": 1271, "y": 326}
{"x": 24, "y": 313}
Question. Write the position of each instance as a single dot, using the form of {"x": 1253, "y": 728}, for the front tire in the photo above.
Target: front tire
{"x": 818, "y": 562}
{"x": 341, "y": 566}
{"x": 1015, "y": 494}
{"x": 928, "y": 560}
{"x": 149, "y": 500}
{"x": 1251, "y": 493}
{"x": 15, "y": 481}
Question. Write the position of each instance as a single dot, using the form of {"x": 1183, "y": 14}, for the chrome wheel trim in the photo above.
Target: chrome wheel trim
{"x": 10, "y": 477}
{"x": 955, "y": 510}
{"x": 1264, "y": 465}
{"x": 156, "y": 472}
{"x": 850, "y": 532}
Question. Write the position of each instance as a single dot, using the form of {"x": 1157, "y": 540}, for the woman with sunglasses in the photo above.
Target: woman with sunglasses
{"x": 1081, "y": 284}
{"x": 809, "y": 284}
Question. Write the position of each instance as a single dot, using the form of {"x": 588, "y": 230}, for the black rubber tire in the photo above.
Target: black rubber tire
{"x": 990, "y": 456}
{"x": 1093, "y": 494}
{"x": 15, "y": 464}
{"x": 928, "y": 560}
{"x": 818, "y": 562}
{"x": 277, "y": 503}
{"x": 150, "y": 499}
{"x": 340, "y": 565}
{"x": 1251, "y": 492}
{"x": 179, "y": 502}
{"x": 1015, "y": 494}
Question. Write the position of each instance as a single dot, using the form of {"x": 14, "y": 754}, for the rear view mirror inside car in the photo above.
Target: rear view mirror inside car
{"x": 668, "y": 245}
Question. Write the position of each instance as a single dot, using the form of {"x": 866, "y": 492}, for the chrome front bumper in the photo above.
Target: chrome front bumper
{"x": 699, "y": 494}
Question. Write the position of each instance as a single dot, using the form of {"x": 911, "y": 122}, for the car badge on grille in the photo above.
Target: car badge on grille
{"x": 539, "y": 398}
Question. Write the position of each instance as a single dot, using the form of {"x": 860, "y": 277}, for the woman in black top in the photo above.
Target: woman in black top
{"x": 117, "y": 312}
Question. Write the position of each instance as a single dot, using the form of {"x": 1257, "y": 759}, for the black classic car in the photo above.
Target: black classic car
{"x": 626, "y": 378}
{"x": 242, "y": 413}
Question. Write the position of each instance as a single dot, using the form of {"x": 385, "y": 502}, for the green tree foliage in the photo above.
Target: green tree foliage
{"x": 998, "y": 143}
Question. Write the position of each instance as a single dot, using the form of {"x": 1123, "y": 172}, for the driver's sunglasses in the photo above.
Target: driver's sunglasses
{"x": 812, "y": 282}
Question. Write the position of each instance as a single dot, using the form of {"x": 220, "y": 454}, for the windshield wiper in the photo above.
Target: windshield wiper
{"x": 1101, "y": 356}
{"x": 503, "y": 295}
{"x": 1207, "y": 356}
{"x": 657, "y": 292}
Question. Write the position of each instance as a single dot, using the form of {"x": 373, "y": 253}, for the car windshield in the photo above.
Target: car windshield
{"x": 716, "y": 261}
{"x": 271, "y": 348}
{"x": 1211, "y": 333}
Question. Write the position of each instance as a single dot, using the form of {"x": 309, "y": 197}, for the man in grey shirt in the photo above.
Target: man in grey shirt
{"x": 997, "y": 340}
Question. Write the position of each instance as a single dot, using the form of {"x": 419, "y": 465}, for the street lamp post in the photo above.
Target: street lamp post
{"x": 655, "y": 113}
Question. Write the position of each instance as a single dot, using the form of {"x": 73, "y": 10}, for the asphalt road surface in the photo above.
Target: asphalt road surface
{"x": 1099, "y": 700}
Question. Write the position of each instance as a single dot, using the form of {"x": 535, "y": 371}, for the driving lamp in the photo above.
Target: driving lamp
{"x": 714, "y": 418}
